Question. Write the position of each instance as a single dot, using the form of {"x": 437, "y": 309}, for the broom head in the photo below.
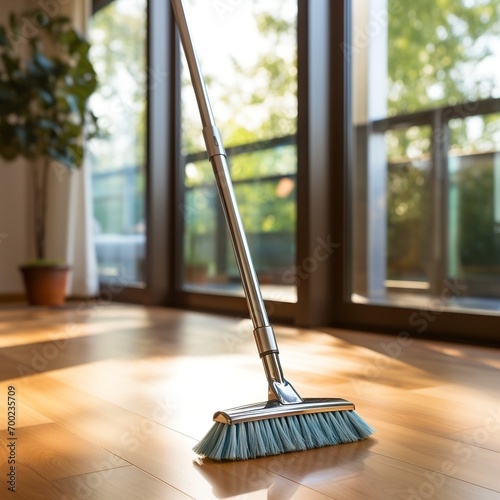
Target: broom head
{"x": 272, "y": 428}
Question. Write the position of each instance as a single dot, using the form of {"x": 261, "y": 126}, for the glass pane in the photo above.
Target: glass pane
{"x": 441, "y": 52}
{"x": 408, "y": 206}
{"x": 252, "y": 83}
{"x": 424, "y": 167}
{"x": 474, "y": 203}
{"x": 118, "y": 36}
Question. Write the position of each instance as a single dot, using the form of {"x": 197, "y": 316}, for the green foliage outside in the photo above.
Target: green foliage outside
{"x": 259, "y": 99}
{"x": 442, "y": 53}
{"x": 409, "y": 204}
{"x": 118, "y": 35}
{"x": 439, "y": 52}
{"x": 262, "y": 98}
{"x": 479, "y": 248}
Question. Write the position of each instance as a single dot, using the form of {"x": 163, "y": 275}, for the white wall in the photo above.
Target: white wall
{"x": 66, "y": 241}
{"x": 14, "y": 201}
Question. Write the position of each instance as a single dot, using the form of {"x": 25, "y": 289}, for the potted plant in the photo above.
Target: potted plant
{"x": 46, "y": 79}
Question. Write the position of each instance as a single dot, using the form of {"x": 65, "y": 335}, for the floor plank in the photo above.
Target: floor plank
{"x": 125, "y": 482}
{"x": 32, "y": 486}
{"x": 53, "y": 452}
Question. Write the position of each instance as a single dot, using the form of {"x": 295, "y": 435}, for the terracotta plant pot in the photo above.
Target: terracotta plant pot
{"x": 45, "y": 285}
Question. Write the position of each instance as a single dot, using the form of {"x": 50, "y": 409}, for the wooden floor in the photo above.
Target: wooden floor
{"x": 110, "y": 401}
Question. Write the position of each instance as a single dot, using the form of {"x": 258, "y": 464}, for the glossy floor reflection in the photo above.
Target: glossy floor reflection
{"x": 314, "y": 469}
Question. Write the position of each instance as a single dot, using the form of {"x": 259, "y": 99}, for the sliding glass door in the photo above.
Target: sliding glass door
{"x": 248, "y": 52}
{"x": 118, "y": 158}
{"x": 424, "y": 158}
{"x": 417, "y": 132}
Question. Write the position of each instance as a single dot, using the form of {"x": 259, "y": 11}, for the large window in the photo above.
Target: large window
{"x": 248, "y": 53}
{"x": 425, "y": 161}
{"x": 118, "y": 159}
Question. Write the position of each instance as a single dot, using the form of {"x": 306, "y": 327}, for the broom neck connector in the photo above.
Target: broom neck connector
{"x": 279, "y": 388}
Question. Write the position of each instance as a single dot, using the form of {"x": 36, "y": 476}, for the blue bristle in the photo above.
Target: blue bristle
{"x": 296, "y": 434}
{"x": 281, "y": 434}
{"x": 318, "y": 436}
{"x": 304, "y": 432}
{"x": 255, "y": 440}
{"x": 326, "y": 428}
{"x": 271, "y": 443}
{"x": 274, "y": 436}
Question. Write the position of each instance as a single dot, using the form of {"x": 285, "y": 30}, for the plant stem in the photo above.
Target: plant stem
{"x": 36, "y": 210}
{"x": 40, "y": 181}
{"x": 45, "y": 193}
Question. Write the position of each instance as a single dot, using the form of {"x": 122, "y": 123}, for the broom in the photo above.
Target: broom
{"x": 285, "y": 422}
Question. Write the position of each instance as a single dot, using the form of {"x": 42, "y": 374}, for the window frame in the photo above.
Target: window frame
{"x": 114, "y": 290}
{"x": 160, "y": 153}
{"x": 482, "y": 327}
{"x": 312, "y": 86}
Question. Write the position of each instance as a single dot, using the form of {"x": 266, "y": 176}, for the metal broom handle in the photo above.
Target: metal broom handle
{"x": 279, "y": 388}
{"x": 218, "y": 159}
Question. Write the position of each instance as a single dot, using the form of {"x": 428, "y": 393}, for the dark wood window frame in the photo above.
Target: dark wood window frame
{"x": 160, "y": 158}
{"x": 312, "y": 306}
{"x": 481, "y": 327}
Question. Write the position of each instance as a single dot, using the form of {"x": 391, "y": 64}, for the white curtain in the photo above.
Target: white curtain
{"x": 70, "y": 219}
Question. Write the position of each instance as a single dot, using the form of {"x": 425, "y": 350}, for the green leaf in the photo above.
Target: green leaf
{"x": 9, "y": 150}
{"x": 60, "y": 21}
{"x": 77, "y": 44}
{"x": 82, "y": 49}
{"x": 44, "y": 123}
{"x": 33, "y": 69}
{"x": 72, "y": 101}
{"x": 59, "y": 156}
{"x": 11, "y": 64}
{"x": 44, "y": 62}
{"x": 22, "y": 136}
{"x": 7, "y": 93}
{"x": 75, "y": 152}
{"x": 68, "y": 38}
{"x": 71, "y": 131}
{"x": 46, "y": 97}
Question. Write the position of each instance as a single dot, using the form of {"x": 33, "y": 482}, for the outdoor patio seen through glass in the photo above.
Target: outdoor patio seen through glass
{"x": 248, "y": 54}
{"x": 425, "y": 153}
{"x": 118, "y": 36}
